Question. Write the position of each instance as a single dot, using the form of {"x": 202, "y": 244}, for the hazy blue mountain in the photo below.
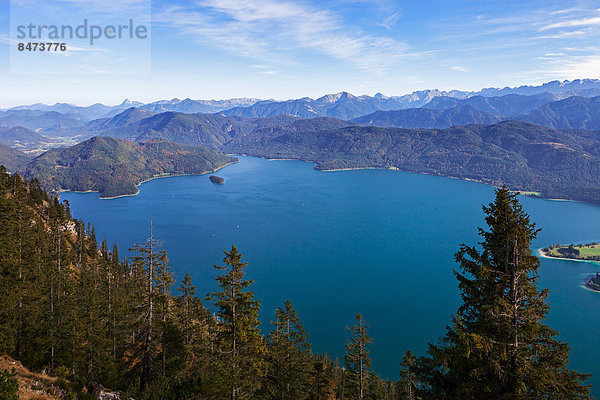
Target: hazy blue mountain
{"x": 428, "y": 118}
{"x": 190, "y": 106}
{"x": 341, "y": 105}
{"x": 37, "y": 120}
{"x": 21, "y": 138}
{"x": 76, "y": 112}
{"x": 571, "y": 113}
{"x": 506, "y": 106}
{"x": 577, "y": 87}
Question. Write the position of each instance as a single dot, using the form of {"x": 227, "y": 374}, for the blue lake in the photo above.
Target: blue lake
{"x": 337, "y": 243}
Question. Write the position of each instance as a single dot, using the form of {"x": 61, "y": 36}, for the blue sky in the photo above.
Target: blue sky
{"x": 282, "y": 49}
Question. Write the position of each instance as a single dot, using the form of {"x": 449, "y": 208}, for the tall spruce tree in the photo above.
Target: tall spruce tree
{"x": 146, "y": 263}
{"x": 357, "y": 358}
{"x": 406, "y": 388}
{"x": 241, "y": 346}
{"x": 289, "y": 356}
{"x": 498, "y": 346}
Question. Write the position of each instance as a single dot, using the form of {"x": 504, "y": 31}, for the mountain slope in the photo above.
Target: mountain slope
{"x": 428, "y": 118}
{"x": 12, "y": 159}
{"x": 21, "y": 138}
{"x": 520, "y": 155}
{"x": 115, "y": 167}
{"x": 190, "y": 106}
{"x": 571, "y": 113}
{"x": 341, "y": 105}
{"x": 211, "y": 130}
{"x": 126, "y": 117}
{"x": 38, "y": 120}
{"x": 506, "y": 106}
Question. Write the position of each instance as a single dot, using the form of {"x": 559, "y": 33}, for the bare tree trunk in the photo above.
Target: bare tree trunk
{"x": 233, "y": 343}
{"x": 360, "y": 383}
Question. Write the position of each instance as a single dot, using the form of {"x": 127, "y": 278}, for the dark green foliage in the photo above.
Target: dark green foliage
{"x": 289, "y": 357}
{"x": 9, "y": 385}
{"x": 498, "y": 346}
{"x": 114, "y": 167}
{"x": 240, "y": 364}
{"x": 407, "y": 386}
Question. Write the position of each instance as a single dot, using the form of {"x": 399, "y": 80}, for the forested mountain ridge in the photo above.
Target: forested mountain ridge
{"x": 210, "y": 130}
{"x": 557, "y": 164}
{"x": 115, "y": 167}
{"x": 428, "y": 118}
{"x": 505, "y": 106}
{"x": 13, "y": 159}
{"x": 571, "y": 113}
{"x": 520, "y": 155}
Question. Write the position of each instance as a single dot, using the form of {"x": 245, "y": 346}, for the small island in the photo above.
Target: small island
{"x": 216, "y": 179}
{"x": 594, "y": 282}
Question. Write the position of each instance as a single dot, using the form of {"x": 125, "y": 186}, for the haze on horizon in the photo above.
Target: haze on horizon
{"x": 218, "y": 49}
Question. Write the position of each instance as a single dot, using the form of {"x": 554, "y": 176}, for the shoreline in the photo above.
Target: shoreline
{"x": 543, "y": 254}
{"x": 527, "y": 193}
{"x": 148, "y": 180}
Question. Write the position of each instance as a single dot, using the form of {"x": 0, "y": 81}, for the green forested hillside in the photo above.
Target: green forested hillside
{"x": 13, "y": 159}
{"x": 115, "y": 167}
{"x": 520, "y": 155}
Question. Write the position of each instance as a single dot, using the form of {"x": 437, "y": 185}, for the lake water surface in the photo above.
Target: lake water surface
{"x": 336, "y": 243}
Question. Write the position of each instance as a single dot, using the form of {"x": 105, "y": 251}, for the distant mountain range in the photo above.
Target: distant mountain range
{"x": 540, "y": 138}
{"x": 428, "y": 118}
{"x": 342, "y": 105}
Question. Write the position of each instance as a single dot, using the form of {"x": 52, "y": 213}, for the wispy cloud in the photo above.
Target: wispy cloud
{"x": 271, "y": 30}
{"x": 458, "y": 68}
{"x": 575, "y": 67}
{"x": 390, "y": 20}
{"x": 593, "y": 21}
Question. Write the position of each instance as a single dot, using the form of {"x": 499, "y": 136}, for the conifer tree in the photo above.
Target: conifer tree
{"x": 289, "y": 356}
{"x": 145, "y": 262}
{"x": 407, "y": 385}
{"x": 321, "y": 382}
{"x": 498, "y": 346}
{"x": 241, "y": 346}
{"x": 357, "y": 358}
{"x": 188, "y": 291}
